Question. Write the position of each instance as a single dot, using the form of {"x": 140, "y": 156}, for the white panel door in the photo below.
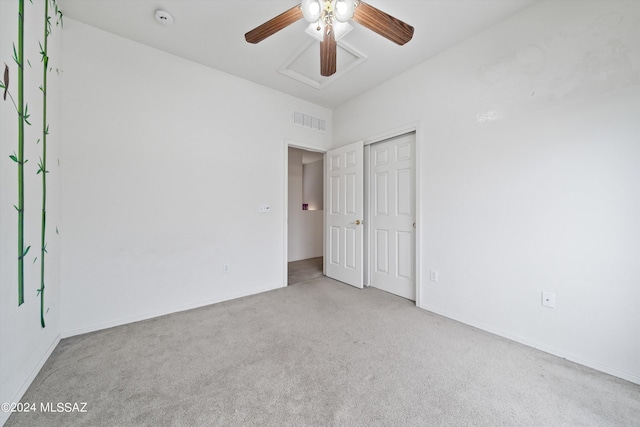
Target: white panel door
{"x": 392, "y": 186}
{"x": 344, "y": 210}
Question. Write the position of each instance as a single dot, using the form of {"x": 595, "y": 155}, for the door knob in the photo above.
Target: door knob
{"x": 358, "y": 222}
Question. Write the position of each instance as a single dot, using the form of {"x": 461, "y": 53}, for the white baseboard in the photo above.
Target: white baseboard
{"x": 151, "y": 315}
{"x": 537, "y": 345}
{"x": 4, "y": 416}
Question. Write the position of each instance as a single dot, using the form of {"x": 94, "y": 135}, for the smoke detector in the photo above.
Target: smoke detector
{"x": 164, "y": 17}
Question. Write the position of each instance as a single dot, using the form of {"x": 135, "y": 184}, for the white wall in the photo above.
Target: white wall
{"x": 166, "y": 163}
{"x": 24, "y": 344}
{"x": 305, "y": 227}
{"x": 313, "y": 184}
{"x": 529, "y": 180}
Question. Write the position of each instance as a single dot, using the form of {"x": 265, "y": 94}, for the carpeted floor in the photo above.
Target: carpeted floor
{"x": 303, "y": 270}
{"x": 318, "y": 353}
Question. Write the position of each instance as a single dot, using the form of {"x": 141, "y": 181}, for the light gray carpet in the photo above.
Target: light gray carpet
{"x": 303, "y": 270}
{"x": 319, "y": 353}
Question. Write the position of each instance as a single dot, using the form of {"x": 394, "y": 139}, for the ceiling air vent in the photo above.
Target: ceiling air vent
{"x": 309, "y": 122}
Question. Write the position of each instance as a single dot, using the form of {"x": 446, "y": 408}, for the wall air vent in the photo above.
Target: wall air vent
{"x": 309, "y": 122}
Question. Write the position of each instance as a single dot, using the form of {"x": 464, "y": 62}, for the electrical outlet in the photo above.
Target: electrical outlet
{"x": 433, "y": 275}
{"x": 226, "y": 268}
{"x": 548, "y": 299}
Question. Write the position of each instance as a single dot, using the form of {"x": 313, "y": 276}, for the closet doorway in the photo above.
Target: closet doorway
{"x": 377, "y": 182}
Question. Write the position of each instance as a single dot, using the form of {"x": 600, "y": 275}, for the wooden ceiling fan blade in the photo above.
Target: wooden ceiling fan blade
{"x": 382, "y": 23}
{"x": 328, "y": 52}
{"x": 274, "y": 25}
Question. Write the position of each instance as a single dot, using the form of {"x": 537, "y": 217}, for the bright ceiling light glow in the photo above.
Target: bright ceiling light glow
{"x": 343, "y": 10}
{"x": 311, "y": 10}
{"x": 340, "y": 29}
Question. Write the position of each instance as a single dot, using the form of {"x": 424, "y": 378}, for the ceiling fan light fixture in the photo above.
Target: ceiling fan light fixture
{"x": 311, "y": 10}
{"x": 328, "y": 16}
{"x": 343, "y": 9}
{"x": 340, "y": 29}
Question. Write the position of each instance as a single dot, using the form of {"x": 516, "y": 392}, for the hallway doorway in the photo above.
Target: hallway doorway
{"x": 305, "y": 216}
{"x": 304, "y": 270}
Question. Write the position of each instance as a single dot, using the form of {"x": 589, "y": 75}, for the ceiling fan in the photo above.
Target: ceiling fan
{"x": 328, "y": 20}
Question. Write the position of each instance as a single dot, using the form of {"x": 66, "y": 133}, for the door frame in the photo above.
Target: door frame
{"x": 409, "y": 128}
{"x": 308, "y": 147}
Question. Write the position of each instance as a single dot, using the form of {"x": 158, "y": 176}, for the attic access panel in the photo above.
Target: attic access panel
{"x": 304, "y": 64}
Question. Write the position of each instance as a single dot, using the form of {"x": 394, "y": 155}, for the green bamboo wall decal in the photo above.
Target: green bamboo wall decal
{"x": 42, "y": 166}
{"x": 19, "y": 159}
{"x": 5, "y": 82}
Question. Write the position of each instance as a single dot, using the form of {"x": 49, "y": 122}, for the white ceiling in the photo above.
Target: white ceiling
{"x": 211, "y": 32}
